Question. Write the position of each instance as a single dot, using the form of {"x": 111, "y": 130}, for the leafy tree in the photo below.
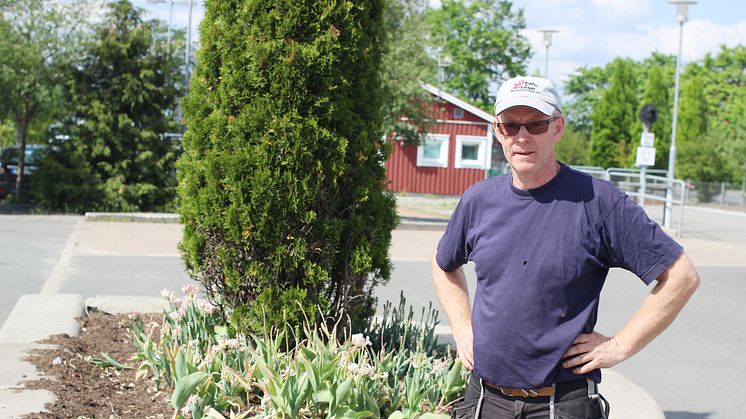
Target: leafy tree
{"x": 405, "y": 65}
{"x": 482, "y": 41}
{"x": 37, "y": 38}
{"x": 587, "y": 85}
{"x": 726, "y": 97}
{"x": 113, "y": 158}
{"x": 692, "y": 136}
{"x": 613, "y": 119}
{"x": 281, "y": 183}
{"x": 573, "y": 147}
{"x": 585, "y": 89}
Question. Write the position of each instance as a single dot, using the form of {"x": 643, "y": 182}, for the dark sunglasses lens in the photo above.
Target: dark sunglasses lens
{"x": 538, "y": 127}
{"x": 509, "y": 129}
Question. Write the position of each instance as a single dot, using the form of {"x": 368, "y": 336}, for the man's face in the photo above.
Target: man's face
{"x": 530, "y": 155}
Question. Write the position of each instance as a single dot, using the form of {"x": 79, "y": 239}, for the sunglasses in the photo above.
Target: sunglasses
{"x": 533, "y": 127}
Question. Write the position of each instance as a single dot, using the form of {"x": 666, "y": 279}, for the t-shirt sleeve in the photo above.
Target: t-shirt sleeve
{"x": 452, "y": 247}
{"x": 637, "y": 243}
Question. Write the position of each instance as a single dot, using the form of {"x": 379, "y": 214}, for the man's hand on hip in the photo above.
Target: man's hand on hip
{"x": 464, "y": 338}
{"x": 592, "y": 351}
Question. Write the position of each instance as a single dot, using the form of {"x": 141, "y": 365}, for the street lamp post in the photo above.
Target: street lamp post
{"x": 188, "y": 53}
{"x": 170, "y": 20}
{"x": 547, "y": 43}
{"x": 188, "y": 49}
{"x": 682, "y": 12}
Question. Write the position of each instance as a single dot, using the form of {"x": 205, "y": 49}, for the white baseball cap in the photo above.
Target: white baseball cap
{"x": 534, "y": 92}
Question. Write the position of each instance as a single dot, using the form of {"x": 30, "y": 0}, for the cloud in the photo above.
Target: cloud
{"x": 578, "y": 46}
{"x": 699, "y": 38}
{"x": 616, "y": 10}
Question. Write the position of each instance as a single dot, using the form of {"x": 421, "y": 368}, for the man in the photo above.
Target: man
{"x": 543, "y": 239}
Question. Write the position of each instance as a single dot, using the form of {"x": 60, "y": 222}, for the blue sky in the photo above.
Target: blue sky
{"x": 591, "y": 32}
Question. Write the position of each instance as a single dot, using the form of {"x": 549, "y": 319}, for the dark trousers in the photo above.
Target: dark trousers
{"x": 578, "y": 399}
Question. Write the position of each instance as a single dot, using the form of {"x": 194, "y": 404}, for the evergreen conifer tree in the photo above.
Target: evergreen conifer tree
{"x": 614, "y": 119}
{"x": 112, "y": 157}
{"x": 693, "y": 137}
{"x": 281, "y": 183}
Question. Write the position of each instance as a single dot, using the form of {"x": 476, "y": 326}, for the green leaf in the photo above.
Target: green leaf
{"x": 453, "y": 374}
{"x": 184, "y": 388}
{"x": 180, "y": 366}
{"x": 343, "y": 390}
{"x": 397, "y": 415}
{"x": 105, "y": 361}
{"x": 322, "y": 396}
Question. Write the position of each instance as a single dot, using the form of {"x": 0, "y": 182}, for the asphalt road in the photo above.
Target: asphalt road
{"x": 693, "y": 370}
{"x": 29, "y": 250}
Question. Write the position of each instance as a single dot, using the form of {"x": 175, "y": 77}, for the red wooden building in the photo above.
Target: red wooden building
{"x": 460, "y": 149}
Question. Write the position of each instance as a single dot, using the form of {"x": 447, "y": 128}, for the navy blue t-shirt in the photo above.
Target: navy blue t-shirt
{"x": 541, "y": 257}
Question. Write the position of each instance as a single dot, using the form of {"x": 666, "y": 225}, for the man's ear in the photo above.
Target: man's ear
{"x": 497, "y": 133}
{"x": 560, "y": 126}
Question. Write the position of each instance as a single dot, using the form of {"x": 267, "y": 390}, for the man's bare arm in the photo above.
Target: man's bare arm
{"x": 674, "y": 288}
{"x": 453, "y": 293}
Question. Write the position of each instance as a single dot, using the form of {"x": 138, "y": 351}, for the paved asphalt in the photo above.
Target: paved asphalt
{"x": 693, "y": 370}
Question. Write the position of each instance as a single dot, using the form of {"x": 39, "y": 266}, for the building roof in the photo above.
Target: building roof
{"x": 458, "y": 102}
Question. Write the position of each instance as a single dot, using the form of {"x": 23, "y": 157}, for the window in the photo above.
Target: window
{"x": 458, "y": 113}
{"x": 433, "y": 152}
{"x": 470, "y": 152}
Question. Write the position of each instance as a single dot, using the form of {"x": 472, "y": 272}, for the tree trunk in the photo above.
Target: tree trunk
{"x": 21, "y": 138}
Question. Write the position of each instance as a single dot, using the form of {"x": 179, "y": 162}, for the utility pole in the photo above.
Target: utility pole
{"x": 682, "y": 12}
{"x": 547, "y": 43}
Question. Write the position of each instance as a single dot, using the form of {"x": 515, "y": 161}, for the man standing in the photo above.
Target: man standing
{"x": 543, "y": 239}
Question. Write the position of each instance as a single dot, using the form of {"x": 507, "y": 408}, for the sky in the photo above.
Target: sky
{"x": 591, "y": 32}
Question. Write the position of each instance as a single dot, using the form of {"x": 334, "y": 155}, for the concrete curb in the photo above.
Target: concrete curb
{"x": 405, "y": 222}
{"x": 143, "y": 217}
{"x": 117, "y": 304}
{"x": 36, "y": 317}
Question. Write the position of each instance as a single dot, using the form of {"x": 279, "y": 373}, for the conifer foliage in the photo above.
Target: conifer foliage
{"x": 110, "y": 155}
{"x": 281, "y": 182}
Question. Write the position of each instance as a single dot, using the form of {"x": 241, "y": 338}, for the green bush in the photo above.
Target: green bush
{"x": 110, "y": 156}
{"x": 281, "y": 181}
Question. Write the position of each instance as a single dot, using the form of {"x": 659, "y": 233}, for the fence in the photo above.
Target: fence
{"x": 731, "y": 196}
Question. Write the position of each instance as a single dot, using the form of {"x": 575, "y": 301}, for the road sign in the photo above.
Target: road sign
{"x": 645, "y": 156}
{"x": 647, "y": 139}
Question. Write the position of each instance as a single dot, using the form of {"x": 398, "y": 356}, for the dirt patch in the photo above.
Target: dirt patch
{"x": 87, "y": 390}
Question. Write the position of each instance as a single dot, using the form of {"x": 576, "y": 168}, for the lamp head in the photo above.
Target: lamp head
{"x": 682, "y": 9}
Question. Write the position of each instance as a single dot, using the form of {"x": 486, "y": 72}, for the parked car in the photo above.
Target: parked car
{"x": 9, "y": 167}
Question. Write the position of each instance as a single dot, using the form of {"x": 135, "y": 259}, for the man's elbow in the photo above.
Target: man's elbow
{"x": 689, "y": 278}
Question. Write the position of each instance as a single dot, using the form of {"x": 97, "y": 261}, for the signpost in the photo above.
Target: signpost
{"x": 646, "y": 151}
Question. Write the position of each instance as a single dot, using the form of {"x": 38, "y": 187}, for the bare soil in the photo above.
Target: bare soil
{"x": 85, "y": 390}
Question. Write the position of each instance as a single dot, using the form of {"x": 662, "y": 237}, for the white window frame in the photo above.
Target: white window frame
{"x": 480, "y": 162}
{"x": 442, "y": 161}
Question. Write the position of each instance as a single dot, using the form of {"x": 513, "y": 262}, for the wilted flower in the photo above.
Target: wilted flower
{"x": 233, "y": 343}
{"x": 177, "y": 315}
{"x": 359, "y": 340}
{"x": 190, "y": 291}
{"x": 354, "y": 368}
{"x": 179, "y": 302}
{"x": 287, "y": 372}
{"x": 206, "y": 307}
{"x": 132, "y": 314}
{"x": 168, "y": 294}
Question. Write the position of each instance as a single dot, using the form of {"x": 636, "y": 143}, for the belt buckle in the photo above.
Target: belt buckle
{"x": 518, "y": 392}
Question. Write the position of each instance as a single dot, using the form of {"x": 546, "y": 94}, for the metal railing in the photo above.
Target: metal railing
{"x": 653, "y": 190}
